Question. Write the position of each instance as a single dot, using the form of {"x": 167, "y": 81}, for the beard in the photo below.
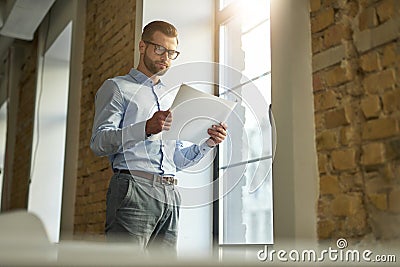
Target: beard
{"x": 152, "y": 67}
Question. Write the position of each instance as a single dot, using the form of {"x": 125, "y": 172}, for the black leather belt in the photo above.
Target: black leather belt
{"x": 159, "y": 178}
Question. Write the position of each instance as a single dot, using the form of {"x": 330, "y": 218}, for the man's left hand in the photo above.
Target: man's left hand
{"x": 217, "y": 134}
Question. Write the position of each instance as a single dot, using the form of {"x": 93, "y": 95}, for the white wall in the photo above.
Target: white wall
{"x": 45, "y": 192}
{"x": 295, "y": 165}
{"x": 195, "y": 23}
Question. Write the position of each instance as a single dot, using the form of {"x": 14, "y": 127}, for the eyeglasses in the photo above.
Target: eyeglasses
{"x": 160, "y": 50}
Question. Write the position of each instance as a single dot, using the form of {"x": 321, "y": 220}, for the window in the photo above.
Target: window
{"x": 45, "y": 192}
{"x": 244, "y": 76}
{"x": 3, "y": 138}
{"x": 196, "y": 33}
{"x": 245, "y": 159}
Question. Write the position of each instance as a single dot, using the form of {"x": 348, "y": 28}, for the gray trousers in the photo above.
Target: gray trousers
{"x": 142, "y": 212}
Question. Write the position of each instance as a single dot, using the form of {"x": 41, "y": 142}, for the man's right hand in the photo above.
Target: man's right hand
{"x": 161, "y": 121}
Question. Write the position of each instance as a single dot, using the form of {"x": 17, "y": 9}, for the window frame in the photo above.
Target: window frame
{"x": 222, "y": 17}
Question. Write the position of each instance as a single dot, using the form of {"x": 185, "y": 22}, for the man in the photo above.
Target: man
{"x": 142, "y": 201}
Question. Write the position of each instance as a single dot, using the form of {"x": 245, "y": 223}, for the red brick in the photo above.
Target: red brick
{"x": 357, "y": 123}
{"x": 322, "y": 20}
{"x": 338, "y": 75}
{"x": 326, "y": 228}
{"x": 356, "y": 225}
{"x": 373, "y": 153}
{"x": 109, "y": 51}
{"x": 325, "y": 100}
{"x": 324, "y": 206}
{"x": 346, "y": 205}
{"x": 344, "y": 159}
{"x": 385, "y": 10}
{"x": 371, "y": 106}
{"x": 380, "y": 128}
{"x": 315, "y": 5}
{"x": 319, "y": 121}
{"x": 349, "y": 135}
{"x": 317, "y": 44}
{"x": 351, "y": 182}
{"x": 351, "y": 8}
{"x": 336, "y": 118}
{"x": 327, "y": 140}
{"x": 394, "y": 200}
{"x": 379, "y": 200}
{"x": 375, "y": 183}
{"x": 375, "y": 83}
{"x": 368, "y": 19}
{"x": 329, "y": 185}
{"x": 389, "y": 55}
{"x": 317, "y": 82}
{"x": 334, "y": 35}
{"x": 391, "y": 101}
{"x": 322, "y": 163}
{"x": 393, "y": 148}
{"x": 370, "y": 61}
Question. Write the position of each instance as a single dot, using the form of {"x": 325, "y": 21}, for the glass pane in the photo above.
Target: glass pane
{"x": 3, "y": 138}
{"x": 256, "y": 45}
{"x": 231, "y": 53}
{"x": 263, "y": 85}
{"x": 254, "y": 12}
{"x": 225, "y": 3}
{"x": 251, "y": 56}
{"x": 247, "y": 213}
{"x": 245, "y": 157}
{"x": 250, "y": 131}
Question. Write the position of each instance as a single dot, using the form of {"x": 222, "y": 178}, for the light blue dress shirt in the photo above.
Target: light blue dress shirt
{"x": 122, "y": 106}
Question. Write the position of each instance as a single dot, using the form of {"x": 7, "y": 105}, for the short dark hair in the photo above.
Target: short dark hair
{"x": 161, "y": 26}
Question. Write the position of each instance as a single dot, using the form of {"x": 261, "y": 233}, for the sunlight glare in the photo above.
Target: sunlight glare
{"x": 253, "y": 12}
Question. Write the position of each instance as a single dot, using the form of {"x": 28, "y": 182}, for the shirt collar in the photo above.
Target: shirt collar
{"x": 141, "y": 78}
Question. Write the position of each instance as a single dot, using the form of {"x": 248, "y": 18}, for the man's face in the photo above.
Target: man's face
{"x": 158, "y": 64}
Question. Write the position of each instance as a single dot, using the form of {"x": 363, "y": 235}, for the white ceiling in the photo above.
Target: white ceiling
{"x": 20, "y": 18}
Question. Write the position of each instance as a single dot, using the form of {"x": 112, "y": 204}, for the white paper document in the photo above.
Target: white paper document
{"x": 193, "y": 112}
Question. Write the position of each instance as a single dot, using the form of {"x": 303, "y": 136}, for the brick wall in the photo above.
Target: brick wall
{"x": 356, "y": 85}
{"x": 24, "y": 132}
{"x": 109, "y": 50}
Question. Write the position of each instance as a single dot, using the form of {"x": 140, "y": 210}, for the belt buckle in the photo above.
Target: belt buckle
{"x": 168, "y": 180}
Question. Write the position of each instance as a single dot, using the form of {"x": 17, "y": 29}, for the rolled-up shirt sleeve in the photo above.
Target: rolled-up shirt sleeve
{"x": 107, "y": 132}
{"x": 185, "y": 157}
